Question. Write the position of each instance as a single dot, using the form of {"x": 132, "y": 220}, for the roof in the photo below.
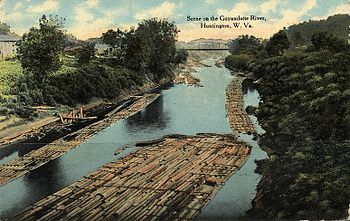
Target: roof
{"x": 102, "y": 46}
{"x": 9, "y": 38}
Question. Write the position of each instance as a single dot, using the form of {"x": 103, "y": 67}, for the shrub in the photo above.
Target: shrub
{"x": 239, "y": 62}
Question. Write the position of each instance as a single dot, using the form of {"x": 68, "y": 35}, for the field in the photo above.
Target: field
{"x": 10, "y": 71}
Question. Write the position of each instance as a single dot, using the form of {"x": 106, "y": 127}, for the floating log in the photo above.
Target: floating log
{"x": 172, "y": 179}
{"x": 36, "y": 158}
{"x": 78, "y": 118}
{"x": 238, "y": 118}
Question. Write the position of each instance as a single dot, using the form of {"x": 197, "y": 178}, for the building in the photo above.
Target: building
{"x": 8, "y": 47}
{"x": 103, "y": 50}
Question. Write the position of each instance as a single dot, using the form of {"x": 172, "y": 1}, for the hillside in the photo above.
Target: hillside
{"x": 300, "y": 34}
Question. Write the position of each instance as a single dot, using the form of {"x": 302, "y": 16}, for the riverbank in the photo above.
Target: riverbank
{"x": 182, "y": 174}
{"x": 36, "y": 158}
{"x": 46, "y": 127}
{"x": 196, "y": 59}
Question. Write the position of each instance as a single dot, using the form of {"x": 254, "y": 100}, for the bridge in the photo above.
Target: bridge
{"x": 203, "y": 46}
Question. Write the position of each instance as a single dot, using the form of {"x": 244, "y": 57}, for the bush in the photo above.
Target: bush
{"x": 181, "y": 56}
{"x": 93, "y": 80}
{"x": 239, "y": 62}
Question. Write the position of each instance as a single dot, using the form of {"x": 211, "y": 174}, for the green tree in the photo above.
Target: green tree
{"x": 110, "y": 37}
{"x": 278, "y": 43}
{"x": 245, "y": 44}
{"x": 85, "y": 53}
{"x": 158, "y": 43}
{"x": 324, "y": 40}
{"x": 40, "y": 49}
{"x": 4, "y": 29}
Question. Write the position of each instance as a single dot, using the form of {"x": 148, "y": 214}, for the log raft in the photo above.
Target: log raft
{"x": 37, "y": 158}
{"x": 170, "y": 179}
{"x": 238, "y": 118}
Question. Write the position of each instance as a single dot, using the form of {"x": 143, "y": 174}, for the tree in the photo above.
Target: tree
{"x": 40, "y": 48}
{"x": 4, "y": 29}
{"x": 277, "y": 43}
{"x": 158, "y": 43}
{"x": 110, "y": 37}
{"x": 325, "y": 40}
{"x": 244, "y": 44}
{"x": 85, "y": 53}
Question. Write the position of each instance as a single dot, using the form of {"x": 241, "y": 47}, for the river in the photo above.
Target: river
{"x": 180, "y": 109}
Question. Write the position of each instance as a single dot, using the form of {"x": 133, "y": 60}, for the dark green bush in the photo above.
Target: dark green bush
{"x": 239, "y": 62}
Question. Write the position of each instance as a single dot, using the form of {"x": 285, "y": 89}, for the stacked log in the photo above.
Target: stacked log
{"x": 238, "y": 118}
{"x": 59, "y": 147}
{"x": 171, "y": 179}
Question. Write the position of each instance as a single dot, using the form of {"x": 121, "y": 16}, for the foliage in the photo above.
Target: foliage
{"x": 245, "y": 44}
{"x": 111, "y": 37}
{"x": 4, "y": 29}
{"x": 148, "y": 49}
{"x": 301, "y": 34}
{"x": 305, "y": 112}
{"x": 181, "y": 56}
{"x": 40, "y": 48}
{"x": 143, "y": 54}
{"x": 92, "y": 80}
{"x": 85, "y": 53}
{"x": 158, "y": 44}
{"x": 278, "y": 43}
{"x": 239, "y": 62}
{"x": 326, "y": 41}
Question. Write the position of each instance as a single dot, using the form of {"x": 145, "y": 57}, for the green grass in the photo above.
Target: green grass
{"x": 10, "y": 72}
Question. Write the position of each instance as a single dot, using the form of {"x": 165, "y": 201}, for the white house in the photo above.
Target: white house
{"x": 8, "y": 47}
{"x": 103, "y": 49}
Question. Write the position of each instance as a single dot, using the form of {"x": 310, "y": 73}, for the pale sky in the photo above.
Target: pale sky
{"x": 90, "y": 18}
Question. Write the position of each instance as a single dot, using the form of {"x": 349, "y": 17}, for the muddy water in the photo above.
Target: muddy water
{"x": 180, "y": 109}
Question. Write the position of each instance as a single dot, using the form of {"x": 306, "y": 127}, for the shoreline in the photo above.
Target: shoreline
{"x": 36, "y": 158}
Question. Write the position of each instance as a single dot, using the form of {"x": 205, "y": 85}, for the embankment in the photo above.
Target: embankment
{"x": 36, "y": 158}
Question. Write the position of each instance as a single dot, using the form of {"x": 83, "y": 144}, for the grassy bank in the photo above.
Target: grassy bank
{"x": 10, "y": 72}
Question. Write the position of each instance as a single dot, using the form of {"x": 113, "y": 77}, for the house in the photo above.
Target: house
{"x": 103, "y": 49}
{"x": 8, "y": 47}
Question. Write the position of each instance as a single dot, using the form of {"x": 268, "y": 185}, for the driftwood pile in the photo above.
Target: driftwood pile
{"x": 169, "y": 179}
{"x": 49, "y": 152}
{"x": 238, "y": 118}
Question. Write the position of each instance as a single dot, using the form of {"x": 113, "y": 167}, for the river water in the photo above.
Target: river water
{"x": 180, "y": 109}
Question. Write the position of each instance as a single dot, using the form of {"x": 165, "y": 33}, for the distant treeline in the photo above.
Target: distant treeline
{"x": 300, "y": 34}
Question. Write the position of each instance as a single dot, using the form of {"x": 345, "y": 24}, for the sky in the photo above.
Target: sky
{"x": 90, "y": 18}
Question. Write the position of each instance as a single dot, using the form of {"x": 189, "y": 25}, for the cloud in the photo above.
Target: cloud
{"x": 190, "y": 31}
{"x": 48, "y": 5}
{"x": 268, "y": 6}
{"x": 10, "y": 15}
{"x": 2, "y": 11}
{"x": 240, "y": 8}
{"x": 18, "y": 6}
{"x": 82, "y": 15}
{"x": 92, "y": 3}
{"x": 340, "y": 9}
{"x": 87, "y": 24}
{"x": 165, "y": 10}
{"x": 209, "y": 1}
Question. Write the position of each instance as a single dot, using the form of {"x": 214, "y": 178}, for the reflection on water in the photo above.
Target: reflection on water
{"x": 153, "y": 117}
{"x": 180, "y": 109}
{"x": 235, "y": 197}
{"x": 13, "y": 151}
{"x": 251, "y": 95}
